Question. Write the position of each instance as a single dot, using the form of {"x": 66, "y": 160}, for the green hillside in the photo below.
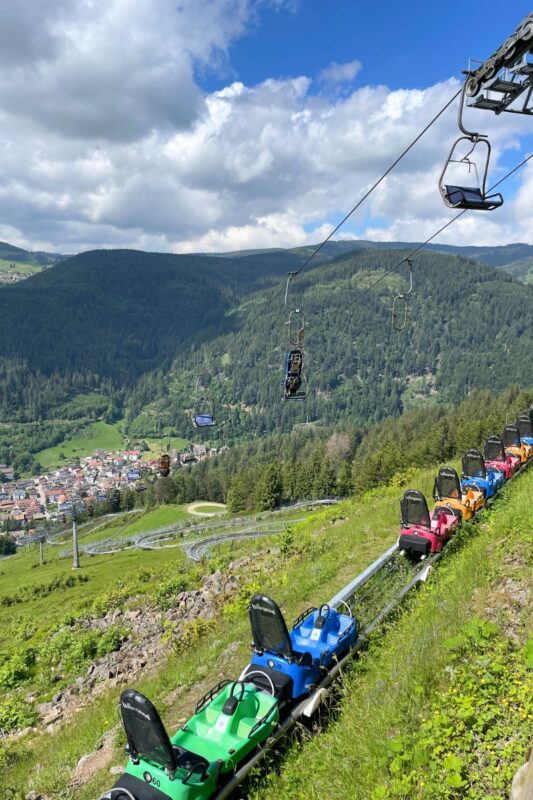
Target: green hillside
{"x": 16, "y": 261}
{"x": 98, "y": 436}
{"x": 108, "y": 333}
{"x": 384, "y": 708}
{"x": 441, "y": 707}
{"x": 469, "y": 326}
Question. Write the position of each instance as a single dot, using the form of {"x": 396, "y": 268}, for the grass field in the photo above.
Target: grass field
{"x": 98, "y": 436}
{"x": 155, "y": 445}
{"x": 105, "y": 572}
{"x": 304, "y": 568}
{"x": 25, "y": 267}
{"x": 158, "y": 518}
{"x": 37, "y": 615}
{"x": 208, "y": 508}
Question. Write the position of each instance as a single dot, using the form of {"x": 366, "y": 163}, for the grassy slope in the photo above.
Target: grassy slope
{"x": 404, "y": 720}
{"x": 23, "y": 570}
{"x": 328, "y": 549}
{"x": 360, "y": 530}
{"x": 102, "y": 571}
{"x": 98, "y": 436}
{"x": 154, "y": 445}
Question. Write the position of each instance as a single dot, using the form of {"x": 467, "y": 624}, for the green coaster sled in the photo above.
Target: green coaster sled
{"x": 230, "y": 721}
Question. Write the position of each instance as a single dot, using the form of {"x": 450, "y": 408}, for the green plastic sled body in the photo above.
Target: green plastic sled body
{"x": 229, "y": 723}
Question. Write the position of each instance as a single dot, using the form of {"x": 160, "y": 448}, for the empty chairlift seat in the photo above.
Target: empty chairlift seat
{"x": 471, "y": 197}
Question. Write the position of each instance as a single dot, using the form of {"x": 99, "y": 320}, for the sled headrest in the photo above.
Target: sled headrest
{"x": 447, "y": 484}
{"x": 525, "y": 427}
{"x": 269, "y": 629}
{"x": 146, "y": 734}
{"x": 414, "y": 509}
{"x": 474, "y": 464}
{"x": 511, "y": 436}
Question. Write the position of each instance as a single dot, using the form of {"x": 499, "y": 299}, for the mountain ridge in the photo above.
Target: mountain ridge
{"x": 112, "y": 333}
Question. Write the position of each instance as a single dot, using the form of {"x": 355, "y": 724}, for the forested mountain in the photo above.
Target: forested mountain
{"x": 516, "y": 259}
{"x": 469, "y": 326}
{"x": 108, "y": 332}
{"x": 323, "y": 461}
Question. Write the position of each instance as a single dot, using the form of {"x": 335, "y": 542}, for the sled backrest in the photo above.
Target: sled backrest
{"x": 511, "y": 436}
{"x": 269, "y": 629}
{"x": 525, "y": 428}
{"x": 447, "y": 484}
{"x": 474, "y": 465}
{"x": 494, "y": 449}
{"x": 414, "y": 509}
{"x": 146, "y": 734}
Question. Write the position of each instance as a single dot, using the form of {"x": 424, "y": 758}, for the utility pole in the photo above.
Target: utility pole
{"x": 41, "y": 552}
{"x": 75, "y": 551}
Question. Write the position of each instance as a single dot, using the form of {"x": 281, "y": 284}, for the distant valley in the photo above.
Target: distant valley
{"x": 121, "y": 335}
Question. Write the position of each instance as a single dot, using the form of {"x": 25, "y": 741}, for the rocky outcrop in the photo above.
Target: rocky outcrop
{"x": 146, "y": 642}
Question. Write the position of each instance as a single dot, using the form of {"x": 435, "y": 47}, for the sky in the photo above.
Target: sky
{"x": 186, "y": 126}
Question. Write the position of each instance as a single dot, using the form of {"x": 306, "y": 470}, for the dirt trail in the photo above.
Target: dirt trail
{"x": 191, "y": 509}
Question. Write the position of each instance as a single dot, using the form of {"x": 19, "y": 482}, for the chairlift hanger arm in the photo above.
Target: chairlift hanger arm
{"x": 290, "y": 275}
{"x": 401, "y": 299}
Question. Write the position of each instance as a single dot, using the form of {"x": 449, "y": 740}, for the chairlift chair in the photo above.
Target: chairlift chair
{"x": 468, "y": 197}
{"x": 400, "y": 304}
{"x": 296, "y": 327}
{"x": 203, "y": 415}
{"x": 164, "y": 465}
{"x": 294, "y": 387}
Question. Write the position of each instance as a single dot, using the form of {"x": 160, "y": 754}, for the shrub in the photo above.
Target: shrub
{"x": 15, "y": 713}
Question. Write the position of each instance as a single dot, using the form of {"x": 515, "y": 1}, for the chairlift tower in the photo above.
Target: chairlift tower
{"x": 75, "y": 549}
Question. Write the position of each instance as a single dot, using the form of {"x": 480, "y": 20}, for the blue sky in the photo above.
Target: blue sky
{"x": 236, "y": 124}
{"x": 413, "y": 44}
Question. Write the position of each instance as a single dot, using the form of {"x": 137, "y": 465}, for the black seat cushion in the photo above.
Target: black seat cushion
{"x": 283, "y": 684}
{"x": 141, "y": 790}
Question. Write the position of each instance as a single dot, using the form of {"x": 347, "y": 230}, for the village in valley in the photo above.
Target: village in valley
{"x": 30, "y": 504}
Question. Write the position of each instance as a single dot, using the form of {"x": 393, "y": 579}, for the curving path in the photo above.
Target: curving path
{"x": 191, "y": 508}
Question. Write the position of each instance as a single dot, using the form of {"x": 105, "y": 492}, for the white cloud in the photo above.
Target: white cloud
{"x": 106, "y": 140}
{"x": 340, "y": 73}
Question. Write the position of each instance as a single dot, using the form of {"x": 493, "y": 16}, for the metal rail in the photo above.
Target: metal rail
{"x": 147, "y": 540}
{"x": 307, "y": 706}
{"x": 349, "y": 590}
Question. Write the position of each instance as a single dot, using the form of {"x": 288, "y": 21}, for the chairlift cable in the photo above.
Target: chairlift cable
{"x": 377, "y": 183}
{"x": 440, "y": 230}
{"x": 443, "y": 228}
{"x": 366, "y": 195}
